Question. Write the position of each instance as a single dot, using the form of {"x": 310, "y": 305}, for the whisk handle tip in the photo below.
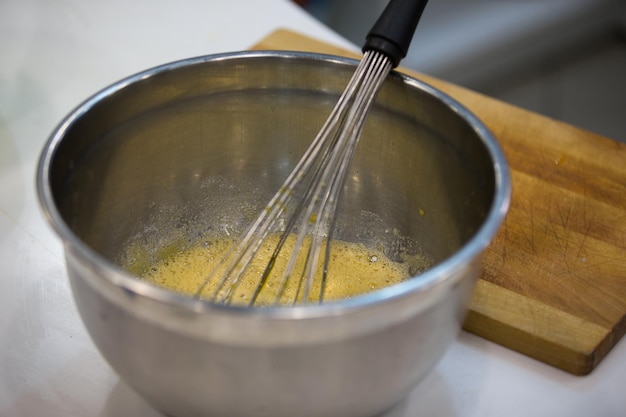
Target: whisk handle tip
{"x": 393, "y": 31}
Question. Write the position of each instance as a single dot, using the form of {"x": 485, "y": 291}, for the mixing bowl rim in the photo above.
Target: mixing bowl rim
{"x": 129, "y": 283}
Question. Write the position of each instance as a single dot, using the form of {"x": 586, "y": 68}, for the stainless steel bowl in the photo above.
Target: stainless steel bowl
{"x": 182, "y": 150}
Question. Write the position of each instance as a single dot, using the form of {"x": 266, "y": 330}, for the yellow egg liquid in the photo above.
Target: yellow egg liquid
{"x": 353, "y": 269}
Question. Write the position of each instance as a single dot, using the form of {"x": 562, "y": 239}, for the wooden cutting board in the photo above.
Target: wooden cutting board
{"x": 554, "y": 283}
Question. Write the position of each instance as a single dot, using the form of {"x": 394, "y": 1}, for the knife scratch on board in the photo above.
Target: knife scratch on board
{"x": 529, "y": 233}
{"x": 563, "y": 238}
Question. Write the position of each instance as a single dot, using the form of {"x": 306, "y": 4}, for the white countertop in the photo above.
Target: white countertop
{"x": 53, "y": 54}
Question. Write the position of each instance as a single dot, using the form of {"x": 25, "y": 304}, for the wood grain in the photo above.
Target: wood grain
{"x": 554, "y": 281}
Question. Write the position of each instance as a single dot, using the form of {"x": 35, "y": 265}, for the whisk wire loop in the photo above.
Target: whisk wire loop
{"x": 316, "y": 183}
{"x": 327, "y": 190}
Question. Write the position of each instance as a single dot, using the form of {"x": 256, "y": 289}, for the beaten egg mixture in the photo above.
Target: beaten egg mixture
{"x": 353, "y": 269}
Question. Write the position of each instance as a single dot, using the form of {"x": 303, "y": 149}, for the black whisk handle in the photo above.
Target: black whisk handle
{"x": 394, "y": 29}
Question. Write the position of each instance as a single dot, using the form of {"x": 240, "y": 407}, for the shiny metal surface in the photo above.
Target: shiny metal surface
{"x": 198, "y": 146}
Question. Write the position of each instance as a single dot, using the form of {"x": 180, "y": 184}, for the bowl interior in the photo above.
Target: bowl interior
{"x": 193, "y": 150}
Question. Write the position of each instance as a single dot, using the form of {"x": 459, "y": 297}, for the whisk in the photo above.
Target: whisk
{"x": 306, "y": 203}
